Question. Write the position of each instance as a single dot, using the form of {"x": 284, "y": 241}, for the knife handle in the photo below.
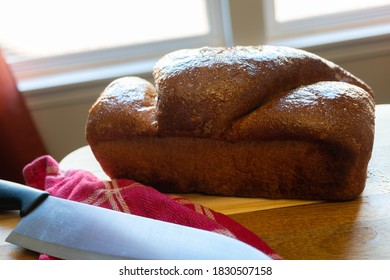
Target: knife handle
{"x": 14, "y": 196}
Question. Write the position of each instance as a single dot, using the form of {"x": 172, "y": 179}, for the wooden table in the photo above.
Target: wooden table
{"x": 358, "y": 229}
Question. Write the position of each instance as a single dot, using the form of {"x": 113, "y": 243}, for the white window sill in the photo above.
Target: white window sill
{"x": 62, "y": 80}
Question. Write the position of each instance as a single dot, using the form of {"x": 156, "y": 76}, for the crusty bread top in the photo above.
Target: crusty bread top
{"x": 209, "y": 88}
{"x": 126, "y": 107}
{"x": 239, "y": 93}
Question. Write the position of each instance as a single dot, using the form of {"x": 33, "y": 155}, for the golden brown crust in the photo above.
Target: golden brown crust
{"x": 256, "y": 121}
{"x": 202, "y": 91}
{"x": 126, "y": 108}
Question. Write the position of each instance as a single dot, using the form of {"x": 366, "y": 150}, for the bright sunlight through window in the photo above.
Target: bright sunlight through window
{"x": 43, "y": 28}
{"x": 287, "y": 10}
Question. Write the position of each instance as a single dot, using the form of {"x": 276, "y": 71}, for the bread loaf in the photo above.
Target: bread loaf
{"x": 264, "y": 121}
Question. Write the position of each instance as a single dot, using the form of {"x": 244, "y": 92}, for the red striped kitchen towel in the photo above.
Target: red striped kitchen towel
{"x": 129, "y": 196}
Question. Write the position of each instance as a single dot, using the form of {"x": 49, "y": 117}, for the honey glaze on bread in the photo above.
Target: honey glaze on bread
{"x": 262, "y": 121}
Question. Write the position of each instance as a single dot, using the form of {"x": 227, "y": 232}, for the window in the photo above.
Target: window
{"x": 64, "y": 42}
{"x": 305, "y": 23}
{"x": 49, "y": 43}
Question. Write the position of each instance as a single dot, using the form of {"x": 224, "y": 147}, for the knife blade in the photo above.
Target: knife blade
{"x": 71, "y": 230}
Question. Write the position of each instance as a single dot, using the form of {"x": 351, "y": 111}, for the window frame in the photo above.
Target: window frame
{"x": 237, "y": 24}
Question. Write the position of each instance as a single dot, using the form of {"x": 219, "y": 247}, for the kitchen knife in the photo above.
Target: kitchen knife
{"x": 71, "y": 230}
